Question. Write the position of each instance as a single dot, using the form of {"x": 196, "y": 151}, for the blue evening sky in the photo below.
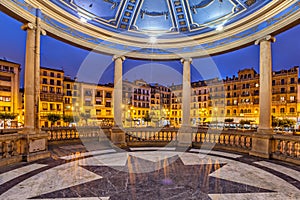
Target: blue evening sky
{"x": 94, "y": 67}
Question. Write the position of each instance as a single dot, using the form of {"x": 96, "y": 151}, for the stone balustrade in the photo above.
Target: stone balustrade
{"x": 56, "y": 134}
{"x": 151, "y": 135}
{"x": 10, "y": 148}
{"x": 286, "y": 148}
{"x": 240, "y": 141}
{"x": 283, "y": 147}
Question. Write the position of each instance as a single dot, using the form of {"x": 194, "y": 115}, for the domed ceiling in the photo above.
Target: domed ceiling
{"x": 160, "y": 16}
{"x": 157, "y": 29}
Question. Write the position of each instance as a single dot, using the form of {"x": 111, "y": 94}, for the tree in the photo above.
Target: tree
{"x": 85, "y": 117}
{"x": 53, "y": 118}
{"x": 147, "y": 118}
{"x": 68, "y": 119}
{"x": 7, "y": 116}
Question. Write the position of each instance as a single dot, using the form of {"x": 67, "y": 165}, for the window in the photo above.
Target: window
{"x": 282, "y": 81}
{"x": 5, "y": 78}
{"x": 58, "y": 107}
{"x": 292, "y": 110}
{"x": 234, "y": 102}
{"x": 108, "y": 112}
{"x": 292, "y": 98}
{"x": 45, "y": 106}
{"x": 282, "y": 99}
{"x": 273, "y": 82}
{"x": 87, "y": 103}
{"x": 69, "y": 93}
{"x": 273, "y": 110}
{"x": 292, "y": 89}
{"x": 292, "y": 80}
{"x": 51, "y": 82}
{"x": 7, "y": 99}
{"x": 68, "y": 86}
{"x": 282, "y": 90}
{"x": 98, "y": 112}
{"x": 45, "y": 89}
{"x": 108, "y": 95}
{"x": 98, "y": 102}
{"x": 58, "y": 90}
{"x": 52, "y": 90}
{"x": 52, "y": 74}
{"x": 44, "y": 73}
{"x": 52, "y": 106}
{"x": 234, "y": 112}
{"x": 88, "y": 93}
{"x": 58, "y": 82}
{"x": 108, "y": 104}
{"x": 228, "y": 112}
{"x": 58, "y": 75}
{"x": 282, "y": 110}
{"x": 67, "y": 100}
{"x": 44, "y": 81}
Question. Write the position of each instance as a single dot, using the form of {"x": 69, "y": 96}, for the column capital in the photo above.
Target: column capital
{"x": 265, "y": 38}
{"x": 182, "y": 60}
{"x": 27, "y": 26}
{"x": 115, "y": 57}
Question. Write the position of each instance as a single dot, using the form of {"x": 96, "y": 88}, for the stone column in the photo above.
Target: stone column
{"x": 184, "y": 133}
{"x": 34, "y": 143}
{"x": 265, "y": 87}
{"x": 29, "y": 81}
{"x": 186, "y": 91}
{"x": 117, "y": 96}
{"x": 262, "y": 142}
{"x": 118, "y": 135}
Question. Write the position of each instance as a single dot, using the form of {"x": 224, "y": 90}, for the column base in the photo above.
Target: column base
{"x": 34, "y": 145}
{"x": 184, "y": 138}
{"x": 118, "y": 137}
{"x": 261, "y": 145}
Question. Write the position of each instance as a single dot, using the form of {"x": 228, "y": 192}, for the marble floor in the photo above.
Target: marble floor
{"x": 72, "y": 172}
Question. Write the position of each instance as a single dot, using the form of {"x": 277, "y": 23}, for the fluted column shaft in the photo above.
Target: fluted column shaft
{"x": 29, "y": 81}
{"x": 186, "y": 91}
{"x": 117, "y": 98}
{"x": 265, "y": 88}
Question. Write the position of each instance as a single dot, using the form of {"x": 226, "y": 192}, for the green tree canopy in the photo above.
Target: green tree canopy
{"x": 53, "y": 118}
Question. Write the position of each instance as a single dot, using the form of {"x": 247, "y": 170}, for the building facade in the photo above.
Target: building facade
{"x": 9, "y": 89}
{"x": 213, "y": 100}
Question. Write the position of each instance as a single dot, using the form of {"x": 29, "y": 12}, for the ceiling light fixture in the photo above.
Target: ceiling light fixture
{"x": 219, "y": 27}
{"x": 153, "y": 39}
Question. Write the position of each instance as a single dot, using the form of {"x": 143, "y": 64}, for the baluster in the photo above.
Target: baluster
{"x": 286, "y": 148}
{"x": 226, "y": 139}
{"x": 237, "y": 140}
{"x": 14, "y": 147}
{"x": 292, "y": 154}
{"x": 5, "y": 149}
{"x": 221, "y": 139}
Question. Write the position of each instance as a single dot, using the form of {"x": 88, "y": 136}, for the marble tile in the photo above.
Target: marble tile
{"x": 197, "y": 159}
{"x": 152, "y": 148}
{"x": 63, "y": 176}
{"x": 256, "y": 196}
{"x": 91, "y": 153}
{"x": 204, "y": 151}
{"x": 7, "y": 176}
{"x": 116, "y": 159}
{"x": 154, "y": 156}
{"x": 78, "y": 198}
{"x": 250, "y": 175}
{"x": 290, "y": 172}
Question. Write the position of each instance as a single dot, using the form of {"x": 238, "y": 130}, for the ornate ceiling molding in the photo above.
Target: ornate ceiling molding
{"x": 135, "y": 42}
